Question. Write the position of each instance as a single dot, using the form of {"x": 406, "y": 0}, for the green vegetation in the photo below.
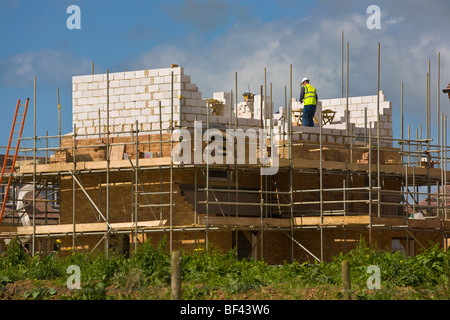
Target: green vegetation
{"x": 214, "y": 274}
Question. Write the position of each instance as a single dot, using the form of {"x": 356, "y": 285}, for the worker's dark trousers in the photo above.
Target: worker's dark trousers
{"x": 308, "y": 115}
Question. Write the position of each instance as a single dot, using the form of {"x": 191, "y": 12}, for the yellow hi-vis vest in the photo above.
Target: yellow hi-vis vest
{"x": 310, "y": 95}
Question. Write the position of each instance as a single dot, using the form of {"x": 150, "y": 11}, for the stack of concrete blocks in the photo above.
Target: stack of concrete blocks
{"x": 245, "y": 109}
{"x": 252, "y": 109}
{"x": 134, "y": 96}
{"x": 225, "y": 98}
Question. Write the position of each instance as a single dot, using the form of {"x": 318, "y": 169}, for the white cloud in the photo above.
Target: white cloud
{"x": 50, "y": 66}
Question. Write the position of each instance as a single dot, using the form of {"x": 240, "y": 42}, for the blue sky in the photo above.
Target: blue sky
{"x": 213, "y": 39}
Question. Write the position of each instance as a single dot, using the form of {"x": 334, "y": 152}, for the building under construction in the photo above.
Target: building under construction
{"x": 149, "y": 158}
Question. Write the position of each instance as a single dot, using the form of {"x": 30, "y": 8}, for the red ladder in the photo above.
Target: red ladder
{"x": 19, "y": 118}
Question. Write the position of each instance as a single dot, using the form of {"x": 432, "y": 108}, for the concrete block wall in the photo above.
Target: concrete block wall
{"x": 357, "y": 119}
{"x": 134, "y": 96}
{"x": 357, "y": 107}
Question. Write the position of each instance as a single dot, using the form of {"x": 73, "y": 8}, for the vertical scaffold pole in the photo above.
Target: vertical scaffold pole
{"x": 34, "y": 175}
{"x": 378, "y": 131}
{"x": 108, "y": 153}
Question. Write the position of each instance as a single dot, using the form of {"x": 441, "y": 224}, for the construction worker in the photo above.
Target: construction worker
{"x": 308, "y": 96}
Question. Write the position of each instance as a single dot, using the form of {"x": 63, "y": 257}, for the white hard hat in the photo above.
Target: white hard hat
{"x": 305, "y": 79}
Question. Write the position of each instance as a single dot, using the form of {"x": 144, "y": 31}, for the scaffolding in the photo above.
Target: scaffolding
{"x": 283, "y": 208}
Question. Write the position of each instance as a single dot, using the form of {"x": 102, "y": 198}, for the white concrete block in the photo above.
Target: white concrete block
{"x": 93, "y": 114}
{"x": 125, "y": 83}
{"x": 87, "y": 78}
{"x": 82, "y": 101}
{"x": 135, "y": 112}
{"x": 130, "y": 75}
{"x": 87, "y": 108}
{"x": 117, "y": 91}
{"x": 129, "y": 120}
{"x": 158, "y": 80}
{"x": 153, "y": 118}
{"x": 135, "y": 82}
{"x": 130, "y": 90}
{"x": 134, "y": 97}
{"x": 152, "y": 104}
{"x": 372, "y": 106}
{"x": 151, "y": 88}
{"x": 114, "y": 114}
{"x": 130, "y": 105}
{"x": 117, "y": 106}
{"x": 164, "y": 71}
{"x": 165, "y": 125}
{"x": 93, "y": 100}
{"x": 161, "y": 95}
{"x": 146, "y": 111}
{"x": 177, "y": 70}
{"x": 77, "y": 79}
{"x": 124, "y": 98}
{"x": 118, "y": 121}
{"x": 99, "y": 93}
{"x": 124, "y": 113}
{"x": 355, "y": 100}
{"x": 114, "y": 84}
{"x": 164, "y": 87}
{"x": 335, "y": 102}
{"x": 82, "y": 86}
{"x": 87, "y": 94}
{"x": 325, "y": 103}
{"x": 99, "y": 77}
{"x": 140, "y": 89}
{"x": 141, "y": 118}
{"x": 140, "y": 74}
{"x": 146, "y": 81}
{"x": 367, "y": 99}
{"x": 143, "y": 96}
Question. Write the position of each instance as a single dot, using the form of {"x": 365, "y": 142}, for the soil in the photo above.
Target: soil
{"x": 46, "y": 290}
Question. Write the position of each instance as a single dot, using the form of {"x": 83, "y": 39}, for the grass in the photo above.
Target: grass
{"x": 215, "y": 274}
